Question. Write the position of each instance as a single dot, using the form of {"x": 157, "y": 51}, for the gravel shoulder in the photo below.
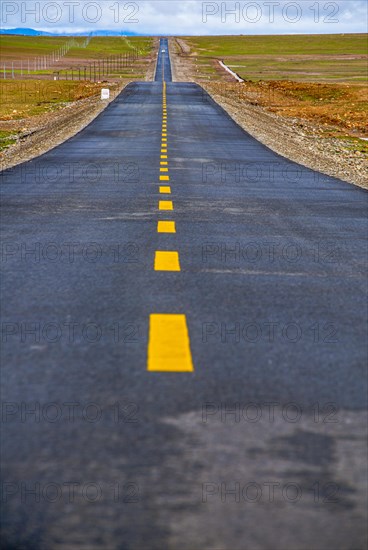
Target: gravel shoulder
{"x": 44, "y": 132}
{"x": 294, "y": 138}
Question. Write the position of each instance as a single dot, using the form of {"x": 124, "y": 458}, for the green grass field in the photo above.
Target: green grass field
{"x": 106, "y": 45}
{"x": 320, "y": 78}
{"x": 24, "y": 98}
{"x": 37, "y": 93}
{"x": 14, "y": 47}
{"x": 315, "y": 58}
{"x": 327, "y": 44}
{"x": 22, "y": 57}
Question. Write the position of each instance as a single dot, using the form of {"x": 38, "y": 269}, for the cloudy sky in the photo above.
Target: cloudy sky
{"x": 188, "y": 17}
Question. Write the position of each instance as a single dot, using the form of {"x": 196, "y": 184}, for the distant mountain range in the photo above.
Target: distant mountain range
{"x": 33, "y": 32}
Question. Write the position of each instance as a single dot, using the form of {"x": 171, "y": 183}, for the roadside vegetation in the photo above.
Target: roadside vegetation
{"x": 14, "y": 47}
{"x": 315, "y": 58}
{"x": 319, "y": 78}
{"x": 6, "y": 139}
{"x": 20, "y": 99}
{"x": 34, "y": 95}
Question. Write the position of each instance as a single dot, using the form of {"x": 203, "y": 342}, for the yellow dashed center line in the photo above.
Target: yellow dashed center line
{"x": 166, "y": 227}
{"x": 168, "y": 344}
{"x": 165, "y": 205}
{"x": 167, "y": 260}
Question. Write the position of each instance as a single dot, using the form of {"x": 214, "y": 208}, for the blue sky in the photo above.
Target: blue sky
{"x": 188, "y": 17}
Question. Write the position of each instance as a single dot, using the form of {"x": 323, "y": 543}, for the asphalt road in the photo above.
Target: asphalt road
{"x": 262, "y": 444}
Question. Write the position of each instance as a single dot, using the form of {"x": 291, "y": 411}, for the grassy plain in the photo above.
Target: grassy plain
{"x": 35, "y": 93}
{"x": 23, "y": 56}
{"x": 315, "y": 58}
{"x": 320, "y": 78}
{"x": 15, "y": 48}
{"x": 21, "y": 99}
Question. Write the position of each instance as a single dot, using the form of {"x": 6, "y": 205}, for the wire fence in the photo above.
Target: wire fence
{"x": 100, "y": 68}
{"x": 93, "y": 70}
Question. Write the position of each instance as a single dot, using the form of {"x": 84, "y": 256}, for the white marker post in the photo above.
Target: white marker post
{"x": 105, "y": 93}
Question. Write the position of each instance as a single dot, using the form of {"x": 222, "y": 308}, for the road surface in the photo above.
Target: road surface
{"x": 203, "y": 388}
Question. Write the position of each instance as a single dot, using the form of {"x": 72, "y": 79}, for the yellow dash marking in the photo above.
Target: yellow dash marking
{"x": 167, "y": 260}
{"x": 165, "y": 189}
{"x": 164, "y": 140}
{"x": 169, "y": 344}
{"x": 163, "y": 156}
{"x": 165, "y": 205}
{"x": 164, "y": 151}
{"x": 164, "y": 134}
{"x": 164, "y": 169}
{"x": 164, "y": 162}
{"x": 164, "y": 178}
{"x": 166, "y": 227}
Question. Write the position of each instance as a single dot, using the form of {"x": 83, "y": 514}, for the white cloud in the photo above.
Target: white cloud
{"x": 188, "y": 17}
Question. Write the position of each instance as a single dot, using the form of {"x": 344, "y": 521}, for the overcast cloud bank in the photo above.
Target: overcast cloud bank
{"x": 188, "y": 17}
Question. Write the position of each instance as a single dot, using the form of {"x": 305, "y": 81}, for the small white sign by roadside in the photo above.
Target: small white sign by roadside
{"x": 105, "y": 93}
